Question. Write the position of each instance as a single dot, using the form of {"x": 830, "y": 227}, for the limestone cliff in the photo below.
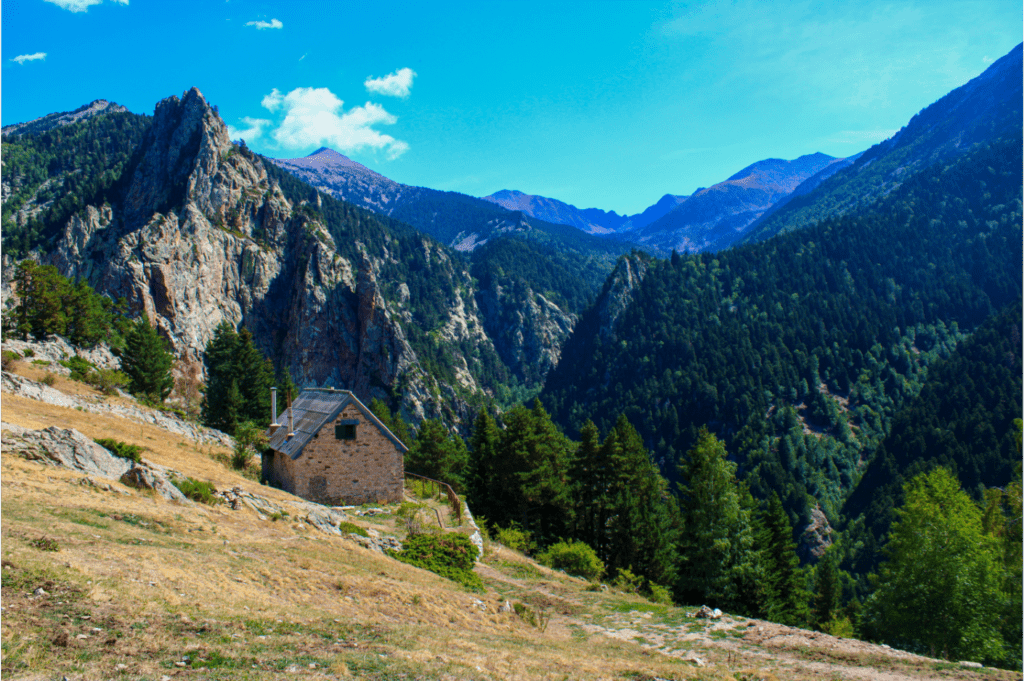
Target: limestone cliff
{"x": 201, "y": 234}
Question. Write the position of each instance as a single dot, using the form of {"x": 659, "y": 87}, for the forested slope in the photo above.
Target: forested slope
{"x": 800, "y": 350}
{"x": 962, "y": 420}
{"x": 50, "y": 175}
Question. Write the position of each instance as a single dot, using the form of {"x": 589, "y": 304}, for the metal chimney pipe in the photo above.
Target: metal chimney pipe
{"x": 291, "y": 421}
{"x": 273, "y": 407}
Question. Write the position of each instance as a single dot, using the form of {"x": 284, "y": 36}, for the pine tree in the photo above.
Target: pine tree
{"x": 486, "y": 489}
{"x": 255, "y": 377}
{"x": 642, "y": 525}
{"x": 716, "y": 543}
{"x": 147, "y": 361}
{"x": 223, "y": 399}
{"x": 785, "y": 596}
{"x": 827, "y": 592}
{"x": 438, "y": 454}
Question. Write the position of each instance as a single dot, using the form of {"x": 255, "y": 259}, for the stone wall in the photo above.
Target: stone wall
{"x": 368, "y": 469}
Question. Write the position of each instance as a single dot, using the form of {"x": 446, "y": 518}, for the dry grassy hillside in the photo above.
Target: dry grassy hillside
{"x": 101, "y": 581}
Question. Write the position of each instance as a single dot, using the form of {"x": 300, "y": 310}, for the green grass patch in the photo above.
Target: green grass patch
{"x": 121, "y": 449}
{"x": 352, "y": 528}
{"x": 196, "y": 490}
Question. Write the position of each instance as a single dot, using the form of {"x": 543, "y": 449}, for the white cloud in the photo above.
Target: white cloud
{"x": 254, "y": 129}
{"x": 22, "y": 58}
{"x": 987, "y": 59}
{"x": 395, "y": 84}
{"x": 81, "y": 5}
{"x": 260, "y": 25}
{"x": 316, "y": 117}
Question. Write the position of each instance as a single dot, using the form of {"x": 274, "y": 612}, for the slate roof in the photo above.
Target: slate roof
{"x": 311, "y": 410}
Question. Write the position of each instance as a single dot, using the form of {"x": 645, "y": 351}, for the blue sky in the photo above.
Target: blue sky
{"x": 599, "y": 104}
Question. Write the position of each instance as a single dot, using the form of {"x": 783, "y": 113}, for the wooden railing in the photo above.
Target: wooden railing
{"x": 440, "y": 490}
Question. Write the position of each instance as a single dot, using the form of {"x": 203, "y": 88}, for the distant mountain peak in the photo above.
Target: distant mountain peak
{"x": 55, "y": 120}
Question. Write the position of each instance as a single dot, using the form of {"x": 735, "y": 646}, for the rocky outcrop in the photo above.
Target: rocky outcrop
{"x": 618, "y": 291}
{"x": 56, "y": 120}
{"x": 70, "y": 449}
{"x": 527, "y": 328}
{"x": 816, "y": 537}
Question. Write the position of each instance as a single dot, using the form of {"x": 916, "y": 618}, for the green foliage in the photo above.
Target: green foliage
{"x": 449, "y": 555}
{"x": 49, "y": 378}
{"x": 147, "y": 362}
{"x": 250, "y": 439}
{"x": 83, "y": 163}
{"x": 438, "y": 454}
{"x": 80, "y": 367}
{"x": 782, "y": 586}
{"x": 49, "y": 303}
{"x": 108, "y": 381}
{"x": 832, "y": 327}
{"x": 940, "y": 577}
{"x": 196, "y": 490}
{"x": 238, "y": 380}
{"x": 9, "y": 358}
{"x": 393, "y": 422}
{"x": 627, "y": 582}
{"x": 535, "y": 618}
{"x": 963, "y": 420}
{"x": 121, "y": 449}
{"x": 716, "y": 545}
{"x": 514, "y": 538}
{"x": 44, "y": 544}
{"x": 575, "y": 558}
{"x": 351, "y": 528}
{"x": 827, "y": 593}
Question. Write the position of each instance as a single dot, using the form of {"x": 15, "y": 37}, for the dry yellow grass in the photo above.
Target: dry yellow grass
{"x": 140, "y": 584}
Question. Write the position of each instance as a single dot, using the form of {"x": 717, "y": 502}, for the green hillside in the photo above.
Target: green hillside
{"x": 800, "y": 350}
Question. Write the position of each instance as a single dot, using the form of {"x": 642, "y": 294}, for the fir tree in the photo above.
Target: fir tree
{"x": 715, "y": 546}
{"x": 438, "y": 454}
{"x": 785, "y": 595}
{"x": 147, "y": 362}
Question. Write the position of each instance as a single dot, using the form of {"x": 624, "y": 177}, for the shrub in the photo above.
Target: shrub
{"x": 627, "y": 582}
{"x": 45, "y": 544}
{"x": 121, "y": 449}
{"x": 514, "y": 538}
{"x": 49, "y": 378}
{"x": 537, "y": 619}
{"x": 449, "y": 555}
{"x": 659, "y": 594}
{"x": 196, "y": 490}
{"x": 352, "y": 528}
{"x": 249, "y": 439}
{"x": 9, "y": 358}
{"x": 41, "y": 362}
{"x": 80, "y": 368}
{"x": 28, "y": 352}
{"x": 839, "y": 627}
{"x": 576, "y": 558}
{"x": 107, "y": 381}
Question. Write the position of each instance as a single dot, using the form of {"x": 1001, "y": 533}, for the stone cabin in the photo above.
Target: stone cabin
{"x": 331, "y": 449}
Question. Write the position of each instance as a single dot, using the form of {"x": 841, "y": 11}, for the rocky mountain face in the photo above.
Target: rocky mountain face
{"x": 985, "y": 108}
{"x": 715, "y": 217}
{"x": 201, "y": 234}
{"x": 56, "y": 120}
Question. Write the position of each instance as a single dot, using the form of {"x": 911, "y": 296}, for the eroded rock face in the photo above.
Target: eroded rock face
{"x": 816, "y": 537}
{"x": 618, "y": 292}
{"x": 203, "y": 236}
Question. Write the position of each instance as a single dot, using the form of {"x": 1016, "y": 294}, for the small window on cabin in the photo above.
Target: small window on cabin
{"x": 345, "y": 431}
